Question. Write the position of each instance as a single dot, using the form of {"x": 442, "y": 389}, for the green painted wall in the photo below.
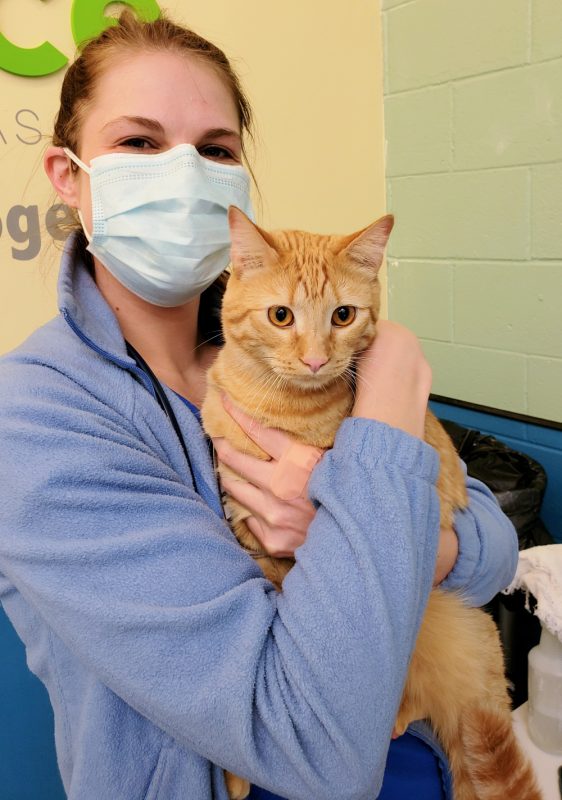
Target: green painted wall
{"x": 473, "y": 118}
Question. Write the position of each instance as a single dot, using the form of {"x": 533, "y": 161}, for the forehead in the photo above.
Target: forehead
{"x": 175, "y": 88}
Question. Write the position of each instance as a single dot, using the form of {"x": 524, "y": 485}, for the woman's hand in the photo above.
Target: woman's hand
{"x": 447, "y": 554}
{"x": 393, "y": 384}
{"x": 274, "y": 490}
{"x": 394, "y": 380}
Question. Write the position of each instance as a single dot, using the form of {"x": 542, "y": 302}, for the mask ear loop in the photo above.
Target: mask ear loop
{"x": 76, "y": 160}
{"x": 87, "y": 170}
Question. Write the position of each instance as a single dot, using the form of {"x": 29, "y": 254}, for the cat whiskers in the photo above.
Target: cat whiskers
{"x": 260, "y": 387}
{"x": 364, "y": 381}
{"x": 273, "y": 385}
{"x": 279, "y": 385}
{"x": 264, "y": 388}
{"x": 348, "y": 377}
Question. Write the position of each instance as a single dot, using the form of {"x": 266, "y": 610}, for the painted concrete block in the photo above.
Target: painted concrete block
{"x": 419, "y": 296}
{"x": 546, "y": 214}
{"x": 546, "y": 27}
{"x": 509, "y": 306}
{"x": 433, "y": 41}
{"x": 474, "y": 215}
{"x": 544, "y": 388}
{"x": 418, "y": 131}
{"x": 511, "y": 117}
{"x": 488, "y": 377}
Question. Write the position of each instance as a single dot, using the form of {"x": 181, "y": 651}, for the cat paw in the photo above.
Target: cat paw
{"x": 400, "y": 726}
{"x": 237, "y": 788}
{"x": 396, "y": 732}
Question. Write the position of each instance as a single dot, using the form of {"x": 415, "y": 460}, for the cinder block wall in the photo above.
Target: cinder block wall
{"x": 473, "y": 119}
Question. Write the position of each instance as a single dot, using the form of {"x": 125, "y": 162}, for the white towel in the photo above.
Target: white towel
{"x": 539, "y": 572}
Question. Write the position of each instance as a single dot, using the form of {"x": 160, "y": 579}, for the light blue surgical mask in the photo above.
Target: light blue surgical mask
{"x": 159, "y": 222}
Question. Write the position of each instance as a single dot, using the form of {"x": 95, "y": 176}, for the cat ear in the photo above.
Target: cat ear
{"x": 367, "y": 246}
{"x": 250, "y": 248}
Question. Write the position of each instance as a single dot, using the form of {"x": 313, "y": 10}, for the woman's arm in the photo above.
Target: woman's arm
{"x": 478, "y": 557}
{"x": 149, "y": 590}
{"x": 488, "y": 547}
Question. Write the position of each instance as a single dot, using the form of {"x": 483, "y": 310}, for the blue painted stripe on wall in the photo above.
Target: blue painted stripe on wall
{"x": 542, "y": 444}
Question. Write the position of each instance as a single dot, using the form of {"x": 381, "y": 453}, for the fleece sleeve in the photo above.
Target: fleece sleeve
{"x": 144, "y": 583}
{"x": 488, "y": 547}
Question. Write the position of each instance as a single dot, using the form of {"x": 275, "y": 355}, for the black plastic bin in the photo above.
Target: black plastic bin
{"x": 518, "y": 483}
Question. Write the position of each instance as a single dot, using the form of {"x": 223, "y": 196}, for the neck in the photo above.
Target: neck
{"x": 165, "y": 337}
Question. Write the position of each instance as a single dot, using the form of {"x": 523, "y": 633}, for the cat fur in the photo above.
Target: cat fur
{"x": 456, "y": 676}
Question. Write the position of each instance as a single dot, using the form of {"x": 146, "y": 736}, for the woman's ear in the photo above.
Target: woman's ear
{"x": 57, "y": 166}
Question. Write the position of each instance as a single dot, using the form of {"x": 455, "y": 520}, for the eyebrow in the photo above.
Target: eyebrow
{"x": 217, "y": 133}
{"x": 144, "y": 122}
{"x": 154, "y": 125}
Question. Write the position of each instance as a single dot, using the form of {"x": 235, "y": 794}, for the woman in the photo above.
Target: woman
{"x": 166, "y": 654}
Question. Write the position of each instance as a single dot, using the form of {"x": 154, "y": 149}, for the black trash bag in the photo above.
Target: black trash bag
{"x": 518, "y": 483}
{"x": 517, "y": 480}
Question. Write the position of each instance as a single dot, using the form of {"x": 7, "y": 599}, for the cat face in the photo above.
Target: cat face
{"x": 302, "y": 305}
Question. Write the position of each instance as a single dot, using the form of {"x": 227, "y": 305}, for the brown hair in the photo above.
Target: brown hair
{"x": 128, "y": 34}
{"x": 82, "y": 76}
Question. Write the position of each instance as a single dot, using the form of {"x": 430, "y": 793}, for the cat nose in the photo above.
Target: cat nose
{"x": 314, "y": 362}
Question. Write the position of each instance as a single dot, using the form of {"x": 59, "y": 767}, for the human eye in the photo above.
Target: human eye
{"x": 137, "y": 143}
{"x": 215, "y": 152}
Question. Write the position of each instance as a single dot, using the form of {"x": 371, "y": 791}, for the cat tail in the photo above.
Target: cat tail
{"x": 493, "y": 759}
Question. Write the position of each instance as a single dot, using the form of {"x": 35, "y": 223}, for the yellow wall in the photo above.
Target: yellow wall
{"x": 313, "y": 72}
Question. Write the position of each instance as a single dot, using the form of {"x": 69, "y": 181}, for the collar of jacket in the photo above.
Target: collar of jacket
{"x": 85, "y": 310}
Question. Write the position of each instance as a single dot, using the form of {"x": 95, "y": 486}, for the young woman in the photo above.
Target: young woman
{"x": 166, "y": 654}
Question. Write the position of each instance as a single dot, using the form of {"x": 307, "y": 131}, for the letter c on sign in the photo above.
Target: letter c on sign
{"x": 87, "y": 21}
{"x": 30, "y": 61}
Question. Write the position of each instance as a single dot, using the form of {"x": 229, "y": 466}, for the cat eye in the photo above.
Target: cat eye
{"x": 281, "y": 316}
{"x": 344, "y": 315}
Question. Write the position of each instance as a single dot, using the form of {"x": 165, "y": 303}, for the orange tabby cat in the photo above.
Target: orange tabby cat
{"x": 296, "y": 300}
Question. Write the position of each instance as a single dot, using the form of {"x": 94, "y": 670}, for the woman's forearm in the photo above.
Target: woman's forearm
{"x": 488, "y": 547}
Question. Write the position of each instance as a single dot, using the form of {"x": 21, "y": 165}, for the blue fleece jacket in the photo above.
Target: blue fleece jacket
{"x": 166, "y": 654}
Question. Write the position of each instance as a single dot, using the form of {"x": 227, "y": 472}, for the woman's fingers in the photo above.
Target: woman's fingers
{"x": 274, "y": 512}
{"x": 273, "y": 441}
{"x": 249, "y": 496}
{"x": 274, "y": 491}
{"x": 447, "y": 554}
{"x": 255, "y": 470}
{"x": 279, "y": 525}
{"x": 292, "y": 462}
{"x": 271, "y": 543}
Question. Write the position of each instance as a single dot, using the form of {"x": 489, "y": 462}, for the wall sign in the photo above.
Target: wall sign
{"x": 87, "y": 20}
{"x": 22, "y": 224}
